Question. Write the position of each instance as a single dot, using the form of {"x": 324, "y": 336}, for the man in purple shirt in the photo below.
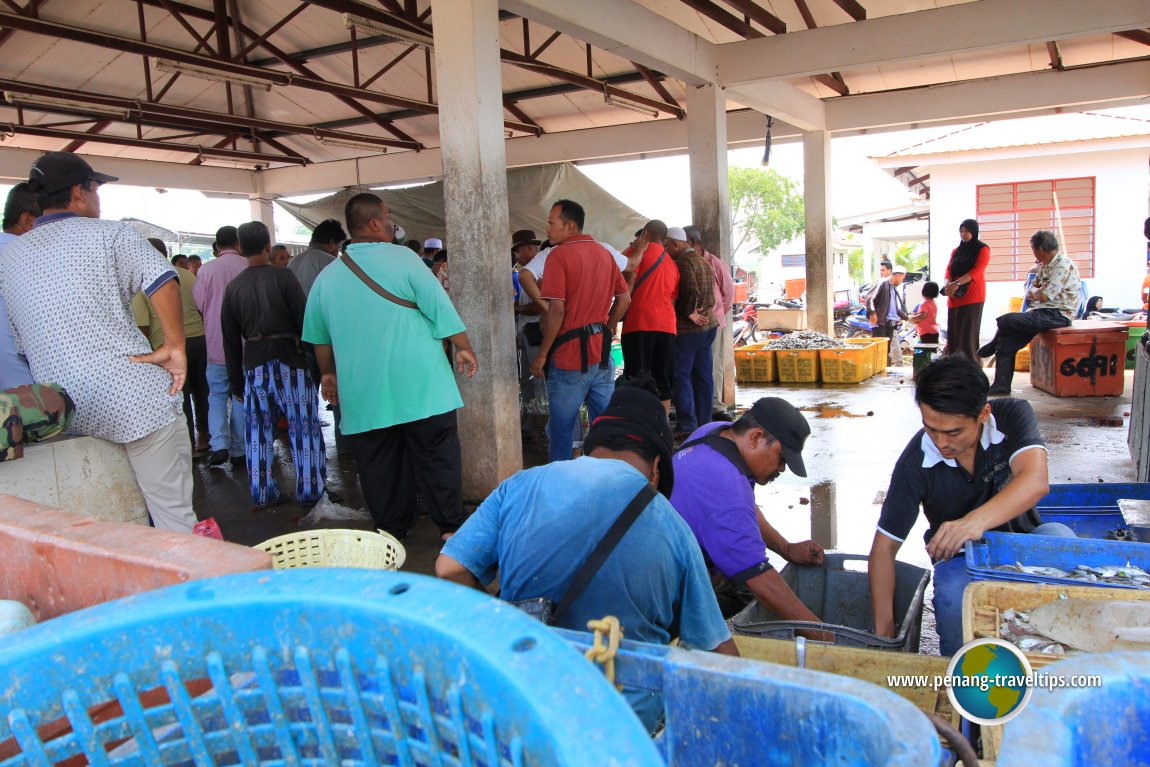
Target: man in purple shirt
{"x": 716, "y": 471}
{"x": 227, "y": 431}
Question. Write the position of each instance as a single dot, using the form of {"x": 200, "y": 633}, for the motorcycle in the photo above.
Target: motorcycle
{"x": 746, "y": 326}
{"x": 857, "y": 325}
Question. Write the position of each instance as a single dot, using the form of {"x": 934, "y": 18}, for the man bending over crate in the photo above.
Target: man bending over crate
{"x": 974, "y": 466}
{"x": 718, "y": 468}
{"x": 542, "y": 527}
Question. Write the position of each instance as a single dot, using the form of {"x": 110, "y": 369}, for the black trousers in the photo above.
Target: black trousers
{"x": 652, "y": 352}
{"x": 421, "y": 455}
{"x": 1017, "y": 329}
{"x": 196, "y": 385}
{"x": 962, "y": 327}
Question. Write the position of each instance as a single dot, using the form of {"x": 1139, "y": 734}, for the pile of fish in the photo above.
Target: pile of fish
{"x": 807, "y": 339}
{"x": 1016, "y": 629}
{"x": 1121, "y": 575}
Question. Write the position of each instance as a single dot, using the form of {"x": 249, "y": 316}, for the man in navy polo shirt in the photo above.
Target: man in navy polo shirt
{"x": 974, "y": 466}
{"x": 716, "y": 472}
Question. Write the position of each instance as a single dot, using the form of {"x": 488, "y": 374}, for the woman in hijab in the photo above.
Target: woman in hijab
{"x": 965, "y": 291}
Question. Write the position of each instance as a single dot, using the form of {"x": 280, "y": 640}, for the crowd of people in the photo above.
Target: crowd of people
{"x": 248, "y": 341}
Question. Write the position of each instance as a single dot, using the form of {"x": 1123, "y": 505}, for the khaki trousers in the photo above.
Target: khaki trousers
{"x": 162, "y": 462}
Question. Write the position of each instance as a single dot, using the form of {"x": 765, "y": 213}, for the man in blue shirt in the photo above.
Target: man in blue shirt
{"x": 540, "y": 525}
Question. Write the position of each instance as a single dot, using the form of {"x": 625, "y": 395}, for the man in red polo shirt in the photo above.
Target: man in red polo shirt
{"x": 649, "y": 328}
{"x": 585, "y": 297}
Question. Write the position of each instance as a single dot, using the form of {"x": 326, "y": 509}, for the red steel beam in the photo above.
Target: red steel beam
{"x": 226, "y": 154}
{"x": 756, "y": 12}
{"x": 166, "y": 115}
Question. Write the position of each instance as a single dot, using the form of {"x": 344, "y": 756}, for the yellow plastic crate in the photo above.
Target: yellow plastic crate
{"x": 1022, "y": 360}
{"x": 983, "y": 603}
{"x": 847, "y": 365}
{"x": 797, "y": 365}
{"x": 747, "y": 362}
{"x": 878, "y": 350}
{"x": 335, "y": 548}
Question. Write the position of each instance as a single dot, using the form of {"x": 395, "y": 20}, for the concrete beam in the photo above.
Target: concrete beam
{"x": 954, "y": 29}
{"x": 14, "y": 165}
{"x": 1002, "y": 97}
{"x": 629, "y": 30}
{"x": 783, "y": 101}
{"x": 642, "y": 139}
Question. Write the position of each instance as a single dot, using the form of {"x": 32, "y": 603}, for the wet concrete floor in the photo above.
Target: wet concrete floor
{"x": 857, "y": 432}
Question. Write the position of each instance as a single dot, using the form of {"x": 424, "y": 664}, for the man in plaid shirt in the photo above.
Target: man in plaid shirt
{"x": 693, "y": 382}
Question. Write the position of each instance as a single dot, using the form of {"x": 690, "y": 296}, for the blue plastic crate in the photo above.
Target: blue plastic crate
{"x": 1064, "y": 553}
{"x": 1099, "y": 495}
{"x": 310, "y": 667}
{"x": 1085, "y": 726}
{"x": 721, "y": 710}
{"x": 1088, "y": 523}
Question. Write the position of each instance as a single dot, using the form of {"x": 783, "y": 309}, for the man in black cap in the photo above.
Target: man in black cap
{"x": 717, "y": 469}
{"x": 76, "y": 328}
{"x": 540, "y": 525}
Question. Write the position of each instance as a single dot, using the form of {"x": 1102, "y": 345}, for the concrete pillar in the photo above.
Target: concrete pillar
{"x": 710, "y": 203}
{"x": 469, "y": 85}
{"x": 817, "y": 204}
{"x": 824, "y": 515}
{"x": 261, "y": 204}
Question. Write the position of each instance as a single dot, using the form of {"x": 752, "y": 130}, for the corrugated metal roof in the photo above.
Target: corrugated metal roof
{"x": 1035, "y": 131}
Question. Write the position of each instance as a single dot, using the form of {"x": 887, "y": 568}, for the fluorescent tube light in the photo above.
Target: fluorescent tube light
{"x": 207, "y": 73}
{"x": 348, "y": 143}
{"x": 643, "y": 109}
{"x": 50, "y": 102}
{"x": 394, "y": 33}
{"x": 229, "y": 162}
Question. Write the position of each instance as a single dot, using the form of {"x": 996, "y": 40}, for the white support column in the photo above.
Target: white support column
{"x": 469, "y": 85}
{"x": 817, "y": 204}
{"x": 710, "y": 204}
{"x": 261, "y": 205}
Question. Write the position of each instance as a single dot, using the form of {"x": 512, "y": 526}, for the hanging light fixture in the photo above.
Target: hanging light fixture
{"x": 767, "y": 147}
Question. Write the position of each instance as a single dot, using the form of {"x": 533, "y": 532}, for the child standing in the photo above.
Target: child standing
{"x": 925, "y": 316}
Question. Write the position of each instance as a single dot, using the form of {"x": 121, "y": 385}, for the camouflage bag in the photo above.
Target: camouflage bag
{"x": 32, "y": 413}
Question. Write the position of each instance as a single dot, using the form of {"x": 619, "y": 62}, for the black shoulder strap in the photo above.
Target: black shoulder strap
{"x": 723, "y": 447}
{"x": 359, "y": 272}
{"x": 599, "y": 555}
{"x": 648, "y": 271}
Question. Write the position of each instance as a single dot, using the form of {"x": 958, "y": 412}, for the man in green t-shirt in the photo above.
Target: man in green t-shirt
{"x": 378, "y": 318}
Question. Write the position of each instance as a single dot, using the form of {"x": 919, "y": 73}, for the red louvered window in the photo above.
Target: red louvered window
{"x": 1009, "y": 213}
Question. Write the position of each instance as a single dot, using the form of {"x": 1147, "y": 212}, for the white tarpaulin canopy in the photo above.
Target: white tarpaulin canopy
{"x": 530, "y": 193}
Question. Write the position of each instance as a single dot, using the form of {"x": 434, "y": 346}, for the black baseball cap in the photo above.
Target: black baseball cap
{"x": 637, "y": 414}
{"x": 784, "y": 422}
{"x": 56, "y": 171}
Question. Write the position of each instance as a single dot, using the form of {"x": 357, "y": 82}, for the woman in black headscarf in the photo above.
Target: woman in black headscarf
{"x": 965, "y": 291}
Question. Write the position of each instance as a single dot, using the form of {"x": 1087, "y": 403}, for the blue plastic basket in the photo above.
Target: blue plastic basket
{"x": 1085, "y": 726}
{"x": 1064, "y": 553}
{"x": 310, "y": 667}
{"x": 1097, "y": 495}
{"x": 721, "y": 710}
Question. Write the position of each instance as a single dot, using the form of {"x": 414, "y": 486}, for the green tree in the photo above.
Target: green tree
{"x": 766, "y": 208}
{"x": 855, "y": 265}
{"x": 912, "y": 255}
